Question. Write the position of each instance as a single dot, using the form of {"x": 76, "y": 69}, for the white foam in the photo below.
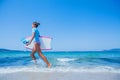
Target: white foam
{"x": 59, "y": 69}
{"x": 65, "y": 59}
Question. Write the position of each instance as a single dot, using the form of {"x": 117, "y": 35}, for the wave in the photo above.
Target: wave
{"x": 59, "y": 69}
{"x": 93, "y": 60}
{"x": 111, "y": 60}
{"x": 66, "y": 59}
{"x": 61, "y": 61}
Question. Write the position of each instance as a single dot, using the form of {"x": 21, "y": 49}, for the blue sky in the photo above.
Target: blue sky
{"x": 73, "y": 24}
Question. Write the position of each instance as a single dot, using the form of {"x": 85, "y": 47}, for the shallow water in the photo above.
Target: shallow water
{"x": 61, "y": 61}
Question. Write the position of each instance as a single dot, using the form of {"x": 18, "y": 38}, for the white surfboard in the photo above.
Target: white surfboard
{"x": 45, "y": 43}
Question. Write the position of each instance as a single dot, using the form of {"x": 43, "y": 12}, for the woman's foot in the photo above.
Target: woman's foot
{"x": 34, "y": 61}
{"x": 49, "y": 66}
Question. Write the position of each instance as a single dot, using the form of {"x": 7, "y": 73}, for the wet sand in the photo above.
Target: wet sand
{"x": 60, "y": 76}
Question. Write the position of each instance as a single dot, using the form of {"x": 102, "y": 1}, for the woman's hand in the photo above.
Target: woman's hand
{"x": 28, "y": 43}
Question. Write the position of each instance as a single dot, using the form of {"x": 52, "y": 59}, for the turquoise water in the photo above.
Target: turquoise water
{"x": 62, "y": 60}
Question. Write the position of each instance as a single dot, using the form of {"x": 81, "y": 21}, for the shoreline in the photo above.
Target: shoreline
{"x": 60, "y": 76}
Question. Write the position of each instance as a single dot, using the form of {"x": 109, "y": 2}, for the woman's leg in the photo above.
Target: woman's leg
{"x": 42, "y": 56}
{"x": 33, "y": 55}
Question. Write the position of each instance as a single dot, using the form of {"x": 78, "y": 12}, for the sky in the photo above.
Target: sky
{"x": 74, "y": 25}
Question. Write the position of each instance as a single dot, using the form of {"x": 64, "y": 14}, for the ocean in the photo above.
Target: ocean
{"x": 62, "y": 61}
{"x": 97, "y": 60}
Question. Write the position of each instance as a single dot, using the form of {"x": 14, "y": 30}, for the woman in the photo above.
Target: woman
{"x": 36, "y": 48}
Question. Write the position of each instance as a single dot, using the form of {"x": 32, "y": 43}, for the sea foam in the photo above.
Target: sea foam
{"x": 59, "y": 69}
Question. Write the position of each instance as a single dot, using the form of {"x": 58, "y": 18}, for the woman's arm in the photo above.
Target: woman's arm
{"x": 33, "y": 35}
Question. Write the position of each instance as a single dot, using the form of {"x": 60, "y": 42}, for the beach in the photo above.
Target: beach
{"x": 80, "y": 39}
{"x": 60, "y": 76}
{"x": 15, "y": 65}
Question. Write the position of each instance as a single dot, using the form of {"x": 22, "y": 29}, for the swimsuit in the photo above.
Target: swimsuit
{"x": 37, "y": 34}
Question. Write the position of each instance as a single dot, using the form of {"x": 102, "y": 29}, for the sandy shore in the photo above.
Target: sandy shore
{"x": 60, "y": 76}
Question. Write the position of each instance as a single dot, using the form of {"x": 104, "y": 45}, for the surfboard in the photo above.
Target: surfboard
{"x": 45, "y": 43}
